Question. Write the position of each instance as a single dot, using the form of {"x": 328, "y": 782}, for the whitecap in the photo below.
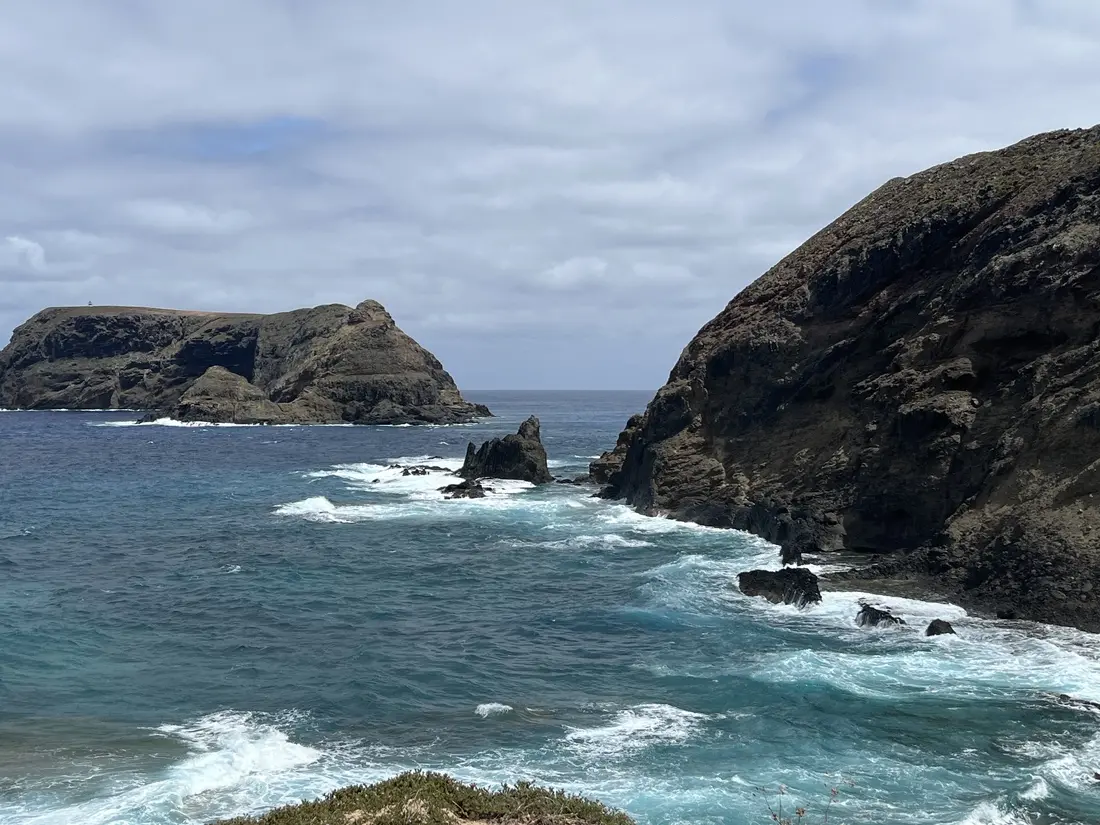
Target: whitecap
{"x": 235, "y": 761}
{"x": 622, "y": 516}
{"x": 1039, "y": 789}
{"x": 320, "y": 509}
{"x": 172, "y": 422}
{"x": 987, "y": 813}
{"x": 487, "y": 709}
{"x": 634, "y": 729}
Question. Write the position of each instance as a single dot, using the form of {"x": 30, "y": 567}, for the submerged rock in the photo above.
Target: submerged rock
{"x": 326, "y": 365}
{"x": 791, "y": 585}
{"x": 922, "y": 373}
{"x": 939, "y": 627}
{"x": 520, "y": 457}
{"x": 870, "y": 616}
{"x": 465, "y": 489}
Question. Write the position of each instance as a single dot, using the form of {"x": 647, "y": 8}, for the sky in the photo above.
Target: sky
{"x": 546, "y": 195}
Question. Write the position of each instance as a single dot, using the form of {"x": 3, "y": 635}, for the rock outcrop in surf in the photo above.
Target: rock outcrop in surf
{"x": 520, "y": 456}
{"x": 919, "y": 382}
{"x": 325, "y": 365}
{"x": 791, "y": 585}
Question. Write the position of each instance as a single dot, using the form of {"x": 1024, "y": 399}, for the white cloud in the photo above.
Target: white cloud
{"x": 173, "y": 216}
{"x": 575, "y": 272}
{"x": 22, "y": 253}
{"x": 510, "y": 179}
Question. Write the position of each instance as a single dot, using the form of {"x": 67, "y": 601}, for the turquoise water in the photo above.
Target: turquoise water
{"x": 204, "y": 621}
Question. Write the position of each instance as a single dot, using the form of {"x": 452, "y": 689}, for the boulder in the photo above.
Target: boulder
{"x": 791, "y": 585}
{"x": 469, "y": 488}
{"x": 520, "y": 457}
{"x": 939, "y": 627}
{"x": 870, "y": 616}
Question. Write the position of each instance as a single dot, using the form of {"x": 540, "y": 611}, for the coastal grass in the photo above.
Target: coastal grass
{"x": 419, "y": 798}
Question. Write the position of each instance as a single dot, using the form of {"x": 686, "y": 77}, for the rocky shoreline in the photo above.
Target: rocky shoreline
{"x": 918, "y": 384}
{"x": 326, "y": 365}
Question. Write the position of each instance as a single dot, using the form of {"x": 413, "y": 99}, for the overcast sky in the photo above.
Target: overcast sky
{"x": 546, "y": 195}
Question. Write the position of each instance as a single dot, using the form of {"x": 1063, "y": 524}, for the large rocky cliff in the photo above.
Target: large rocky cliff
{"x": 328, "y": 364}
{"x": 918, "y": 382}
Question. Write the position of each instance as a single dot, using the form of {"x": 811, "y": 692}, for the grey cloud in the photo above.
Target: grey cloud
{"x": 571, "y": 186}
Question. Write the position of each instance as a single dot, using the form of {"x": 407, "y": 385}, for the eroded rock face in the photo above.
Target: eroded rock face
{"x": 329, "y": 364}
{"x": 922, "y": 375}
{"x": 521, "y": 457}
{"x": 791, "y": 585}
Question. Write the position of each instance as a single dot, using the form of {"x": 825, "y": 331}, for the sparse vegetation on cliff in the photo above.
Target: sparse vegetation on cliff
{"x": 436, "y": 799}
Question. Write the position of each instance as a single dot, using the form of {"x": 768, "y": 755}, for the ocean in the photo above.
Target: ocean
{"x": 204, "y": 621}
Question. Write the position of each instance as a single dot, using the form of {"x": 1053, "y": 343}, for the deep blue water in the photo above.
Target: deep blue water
{"x": 203, "y": 621}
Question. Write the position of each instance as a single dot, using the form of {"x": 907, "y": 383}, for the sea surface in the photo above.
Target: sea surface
{"x": 199, "y": 621}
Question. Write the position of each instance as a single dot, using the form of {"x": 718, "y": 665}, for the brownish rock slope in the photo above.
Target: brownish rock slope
{"x": 328, "y": 364}
{"x": 920, "y": 382}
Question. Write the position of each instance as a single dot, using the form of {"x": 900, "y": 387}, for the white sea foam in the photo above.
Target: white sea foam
{"x": 985, "y": 658}
{"x": 172, "y": 422}
{"x": 988, "y": 813}
{"x": 488, "y": 709}
{"x": 390, "y": 478}
{"x": 235, "y": 763}
{"x": 634, "y": 729}
{"x": 621, "y": 516}
{"x": 586, "y": 542}
{"x": 320, "y": 509}
{"x": 1038, "y": 790}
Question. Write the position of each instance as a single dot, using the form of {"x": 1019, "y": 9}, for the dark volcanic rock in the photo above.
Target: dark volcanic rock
{"x": 465, "y": 489}
{"x": 870, "y": 616}
{"x": 923, "y": 374}
{"x": 583, "y": 479}
{"x": 938, "y": 627}
{"x": 520, "y": 456}
{"x": 329, "y": 364}
{"x": 790, "y": 585}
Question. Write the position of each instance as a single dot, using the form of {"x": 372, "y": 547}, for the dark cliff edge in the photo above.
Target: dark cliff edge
{"x": 329, "y": 364}
{"x": 919, "y": 382}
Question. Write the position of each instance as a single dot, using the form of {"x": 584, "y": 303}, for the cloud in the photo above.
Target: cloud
{"x": 173, "y": 216}
{"x": 570, "y": 185}
{"x": 21, "y": 253}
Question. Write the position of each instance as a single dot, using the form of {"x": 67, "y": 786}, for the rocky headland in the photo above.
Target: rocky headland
{"x": 325, "y": 365}
{"x": 918, "y": 383}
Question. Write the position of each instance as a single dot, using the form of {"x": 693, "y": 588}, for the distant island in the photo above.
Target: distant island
{"x": 918, "y": 384}
{"x": 326, "y": 365}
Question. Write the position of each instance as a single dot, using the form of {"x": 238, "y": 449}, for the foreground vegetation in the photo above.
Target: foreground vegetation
{"x": 435, "y": 799}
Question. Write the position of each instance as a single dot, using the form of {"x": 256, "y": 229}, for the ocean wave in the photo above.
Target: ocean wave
{"x": 635, "y": 729}
{"x": 320, "y": 509}
{"x": 624, "y": 517}
{"x": 487, "y": 709}
{"x": 988, "y": 813}
{"x": 172, "y": 422}
{"x": 235, "y": 763}
{"x": 985, "y": 658}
